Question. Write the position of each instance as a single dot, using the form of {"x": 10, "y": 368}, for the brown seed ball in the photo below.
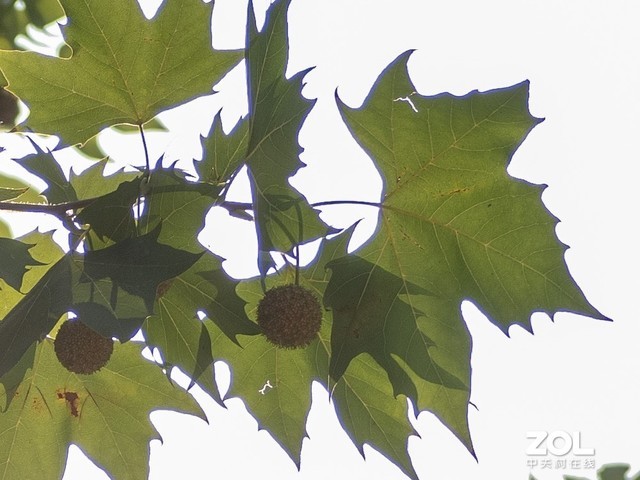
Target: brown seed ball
{"x": 80, "y": 349}
{"x": 289, "y": 316}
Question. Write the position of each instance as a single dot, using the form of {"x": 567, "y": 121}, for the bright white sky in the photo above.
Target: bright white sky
{"x": 575, "y": 374}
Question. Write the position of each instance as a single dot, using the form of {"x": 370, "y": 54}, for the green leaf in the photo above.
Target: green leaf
{"x": 15, "y": 261}
{"x": 124, "y": 68}
{"x": 11, "y": 185}
{"x": 370, "y": 413}
{"x": 420, "y": 340}
{"x": 453, "y": 222}
{"x": 276, "y": 112}
{"x": 280, "y": 406}
{"x": 111, "y": 217}
{"x": 112, "y": 290}
{"x": 370, "y": 401}
{"x": 223, "y": 154}
{"x": 93, "y": 182}
{"x": 610, "y": 471}
{"x": 8, "y": 108}
{"x": 8, "y": 193}
{"x": 44, "y": 165}
{"x": 43, "y": 12}
{"x": 47, "y": 251}
{"x": 181, "y": 205}
{"x": 281, "y": 410}
{"x": 377, "y": 313}
{"x": 106, "y": 414}
{"x": 15, "y": 19}
{"x": 35, "y": 315}
{"x": 175, "y": 329}
{"x": 153, "y": 125}
{"x": 135, "y": 266}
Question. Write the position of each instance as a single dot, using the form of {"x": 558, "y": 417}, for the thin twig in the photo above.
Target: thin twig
{"x": 50, "y": 208}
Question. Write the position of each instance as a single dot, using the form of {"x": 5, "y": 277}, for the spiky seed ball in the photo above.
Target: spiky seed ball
{"x": 81, "y": 349}
{"x": 290, "y": 316}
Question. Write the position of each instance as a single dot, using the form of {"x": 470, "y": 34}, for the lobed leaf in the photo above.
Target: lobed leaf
{"x": 223, "y": 154}
{"x": 16, "y": 259}
{"x": 44, "y": 165}
{"x": 276, "y": 112}
{"x": 112, "y": 290}
{"x": 452, "y": 220}
{"x": 105, "y": 414}
{"x": 123, "y": 69}
{"x": 175, "y": 329}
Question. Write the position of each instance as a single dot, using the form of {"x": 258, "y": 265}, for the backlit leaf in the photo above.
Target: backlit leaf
{"x": 105, "y": 414}
{"x": 276, "y": 112}
{"x": 453, "y": 222}
{"x": 112, "y": 290}
{"x": 123, "y": 69}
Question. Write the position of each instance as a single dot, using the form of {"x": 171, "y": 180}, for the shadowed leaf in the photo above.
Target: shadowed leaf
{"x": 15, "y": 260}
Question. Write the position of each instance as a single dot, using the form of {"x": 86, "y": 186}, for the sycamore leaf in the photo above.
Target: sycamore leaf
{"x": 47, "y": 251}
{"x": 110, "y": 217}
{"x": 223, "y": 154}
{"x": 136, "y": 266}
{"x": 363, "y": 396}
{"x": 370, "y": 412}
{"x": 276, "y": 112}
{"x": 8, "y": 108}
{"x": 453, "y": 222}
{"x": 105, "y": 414}
{"x": 112, "y": 290}
{"x": 35, "y": 315}
{"x": 44, "y": 165}
{"x": 9, "y": 193}
{"x": 375, "y": 312}
{"x": 15, "y": 261}
{"x": 406, "y": 332}
{"x": 123, "y": 68}
{"x": 370, "y": 400}
{"x": 153, "y": 125}
{"x": 275, "y": 383}
{"x": 611, "y": 471}
{"x": 12, "y": 185}
{"x": 93, "y": 182}
{"x": 181, "y": 205}
{"x": 175, "y": 329}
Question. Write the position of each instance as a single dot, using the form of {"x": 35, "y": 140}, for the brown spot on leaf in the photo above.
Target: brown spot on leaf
{"x": 37, "y": 404}
{"x": 164, "y": 287}
{"x": 71, "y": 398}
{"x": 454, "y": 192}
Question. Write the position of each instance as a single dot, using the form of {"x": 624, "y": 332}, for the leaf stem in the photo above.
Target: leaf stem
{"x": 146, "y": 150}
{"x": 233, "y": 206}
{"x": 59, "y": 209}
{"x": 347, "y": 202}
